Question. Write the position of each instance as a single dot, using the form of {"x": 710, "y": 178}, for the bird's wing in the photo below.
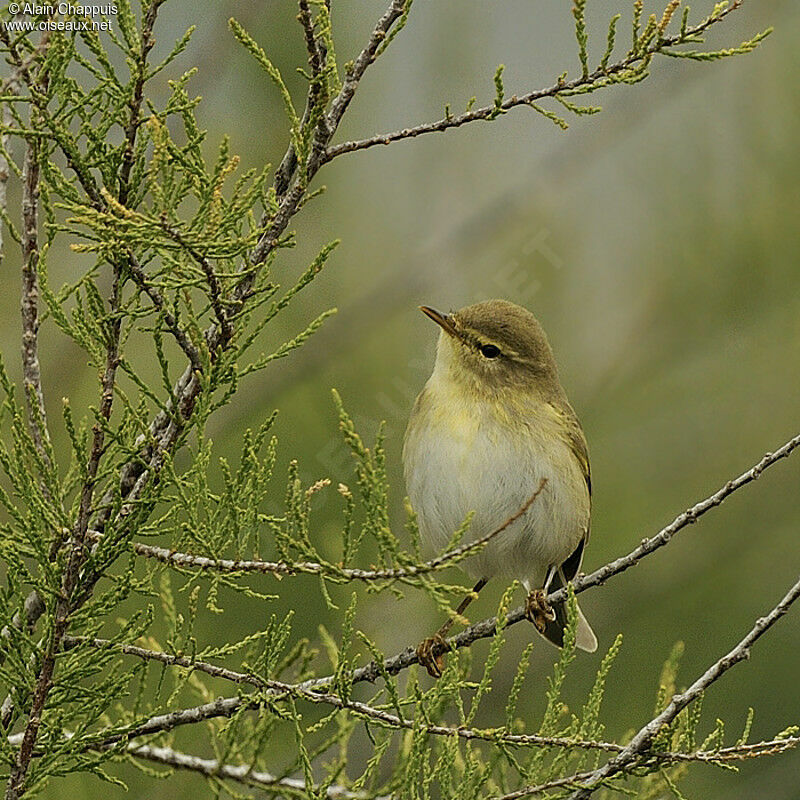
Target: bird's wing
{"x": 577, "y": 443}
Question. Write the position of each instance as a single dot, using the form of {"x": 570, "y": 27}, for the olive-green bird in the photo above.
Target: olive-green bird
{"x": 492, "y": 425}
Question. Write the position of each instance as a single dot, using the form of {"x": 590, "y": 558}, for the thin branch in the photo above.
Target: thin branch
{"x": 166, "y": 427}
{"x": 214, "y": 286}
{"x": 29, "y": 305}
{"x": 365, "y": 58}
{"x": 440, "y": 562}
{"x": 643, "y": 740}
{"x": 244, "y": 774}
{"x": 487, "y": 628}
{"x": 138, "y": 80}
{"x": 599, "y": 77}
{"x": 21, "y": 64}
{"x": 277, "y": 690}
{"x": 141, "y": 280}
{"x": 316, "y": 58}
{"x": 725, "y": 755}
{"x": 540, "y": 788}
{"x": 211, "y": 768}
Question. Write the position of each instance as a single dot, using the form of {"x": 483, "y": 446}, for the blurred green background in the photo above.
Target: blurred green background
{"x": 657, "y": 243}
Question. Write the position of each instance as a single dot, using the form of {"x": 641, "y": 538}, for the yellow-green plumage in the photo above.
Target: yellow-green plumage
{"x": 491, "y": 422}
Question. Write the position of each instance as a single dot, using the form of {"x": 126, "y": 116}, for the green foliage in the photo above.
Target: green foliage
{"x": 139, "y": 531}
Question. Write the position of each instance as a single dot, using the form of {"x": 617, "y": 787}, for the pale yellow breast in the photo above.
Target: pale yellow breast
{"x": 488, "y": 456}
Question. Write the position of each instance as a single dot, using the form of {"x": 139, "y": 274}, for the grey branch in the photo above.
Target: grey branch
{"x": 191, "y": 561}
{"x": 211, "y": 768}
{"x": 277, "y": 690}
{"x": 244, "y": 774}
{"x": 29, "y": 305}
{"x": 488, "y": 627}
{"x": 724, "y": 755}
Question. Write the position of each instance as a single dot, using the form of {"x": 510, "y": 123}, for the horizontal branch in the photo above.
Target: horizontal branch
{"x": 244, "y": 773}
{"x": 277, "y": 690}
{"x": 440, "y": 562}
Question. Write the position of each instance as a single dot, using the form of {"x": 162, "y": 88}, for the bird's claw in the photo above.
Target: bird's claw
{"x": 430, "y": 653}
{"x": 538, "y": 610}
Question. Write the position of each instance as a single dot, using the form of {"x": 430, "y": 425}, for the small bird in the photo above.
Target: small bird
{"x": 491, "y": 430}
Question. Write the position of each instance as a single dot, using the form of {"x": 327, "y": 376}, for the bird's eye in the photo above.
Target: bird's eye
{"x": 490, "y": 351}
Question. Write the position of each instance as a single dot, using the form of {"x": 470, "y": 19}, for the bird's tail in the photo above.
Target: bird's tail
{"x": 554, "y": 629}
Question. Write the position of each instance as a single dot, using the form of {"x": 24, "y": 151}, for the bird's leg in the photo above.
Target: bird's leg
{"x": 537, "y": 609}
{"x": 430, "y": 651}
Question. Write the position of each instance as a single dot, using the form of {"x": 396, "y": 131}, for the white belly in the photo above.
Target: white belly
{"x": 463, "y": 463}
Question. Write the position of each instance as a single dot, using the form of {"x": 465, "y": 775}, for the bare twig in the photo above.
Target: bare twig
{"x": 643, "y": 740}
{"x": 365, "y": 58}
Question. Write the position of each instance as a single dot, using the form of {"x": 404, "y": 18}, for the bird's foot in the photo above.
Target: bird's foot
{"x": 538, "y": 610}
{"x": 430, "y": 653}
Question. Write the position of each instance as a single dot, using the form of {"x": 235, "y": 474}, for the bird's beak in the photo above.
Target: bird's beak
{"x": 440, "y": 319}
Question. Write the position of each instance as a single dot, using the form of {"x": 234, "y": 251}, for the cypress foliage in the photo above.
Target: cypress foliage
{"x": 116, "y": 550}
